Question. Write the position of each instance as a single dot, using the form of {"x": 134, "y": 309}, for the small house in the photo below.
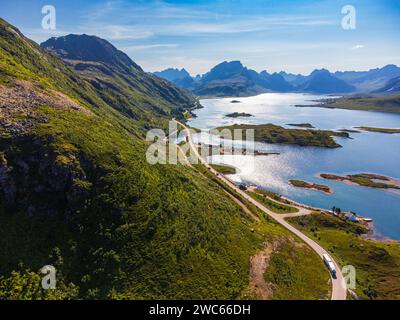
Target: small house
{"x": 351, "y": 216}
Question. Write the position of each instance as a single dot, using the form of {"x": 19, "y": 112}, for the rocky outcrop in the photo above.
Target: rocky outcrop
{"x": 19, "y": 105}
{"x": 36, "y": 180}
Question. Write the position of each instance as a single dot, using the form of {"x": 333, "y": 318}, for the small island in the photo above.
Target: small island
{"x": 238, "y": 114}
{"x": 380, "y": 130}
{"x": 365, "y": 180}
{"x": 310, "y": 185}
{"x": 301, "y": 125}
{"x": 270, "y": 133}
{"x": 349, "y": 130}
{"x": 236, "y": 101}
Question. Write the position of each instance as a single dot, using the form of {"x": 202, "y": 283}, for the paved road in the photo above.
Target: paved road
{"x": 302, "y": 212}
{"x": 339, "y": 290}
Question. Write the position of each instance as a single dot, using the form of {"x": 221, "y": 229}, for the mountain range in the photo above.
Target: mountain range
{"x": 371, "y": 80}
{"x": 234, "y": 79}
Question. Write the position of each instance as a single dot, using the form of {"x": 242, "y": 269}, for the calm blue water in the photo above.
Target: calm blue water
{"x": 366, "y": 152}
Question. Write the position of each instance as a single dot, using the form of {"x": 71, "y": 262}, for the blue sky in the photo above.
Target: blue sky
{"x": 296, "y": 36}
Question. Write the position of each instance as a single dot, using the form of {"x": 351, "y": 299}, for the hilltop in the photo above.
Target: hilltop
{"x": 89, "y": 48}
{"x": 322, "y": 81}
{"x": 181, "y": 78}
{"x": 119, "y": 80}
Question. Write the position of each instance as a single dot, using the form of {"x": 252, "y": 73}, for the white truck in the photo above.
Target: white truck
{"x": 329, "y": 263}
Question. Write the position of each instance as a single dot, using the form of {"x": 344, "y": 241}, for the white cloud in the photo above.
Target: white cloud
{"x": 163, "y": 19}
{"x": 116, "y": 32}
{"x": 358, "y": 46}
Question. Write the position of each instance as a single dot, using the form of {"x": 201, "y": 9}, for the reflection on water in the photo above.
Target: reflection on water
{"x": 366, "y": 152}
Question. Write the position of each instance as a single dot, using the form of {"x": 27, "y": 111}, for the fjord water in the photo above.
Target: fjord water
{"x": 366, "y": 153}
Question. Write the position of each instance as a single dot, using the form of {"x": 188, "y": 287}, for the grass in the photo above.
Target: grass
{"x": 135, "y": 215}
{"x": 365, "y": 182}
{"x": 196, "y": 130}
{"x": 309, "y": 185}
{"x": 377, "y": 264}
{"x": 274, "y": 206}
{"x": 223, "y": 168}
{"x": 294, "y": 272}
{"x": 269, "y": 133}
{"x": 187, "y": 114}
{"x": 121, "y": 227}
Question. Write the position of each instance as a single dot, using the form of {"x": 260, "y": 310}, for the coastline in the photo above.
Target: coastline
{"x": 377, "y": 103}
{"x": 326, "y": 203}
{"x": 374, "y": 235}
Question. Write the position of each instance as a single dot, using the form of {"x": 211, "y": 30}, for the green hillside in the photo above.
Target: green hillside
{"x": 77, "y": 192}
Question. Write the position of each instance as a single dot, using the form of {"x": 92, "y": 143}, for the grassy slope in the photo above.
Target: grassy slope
{"x": 294, "y": 271}
{"x": 116, "y": 227}
{"x": 136, "y": 94}
{"x": 377, "y": 264}
{"x": 142, "y": 231}
{"x": 138, "y": 101}
{"x": 295, "y": 274}
{"x": 270, "y": 133}
{"x": 274, "y": 206}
